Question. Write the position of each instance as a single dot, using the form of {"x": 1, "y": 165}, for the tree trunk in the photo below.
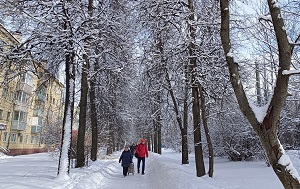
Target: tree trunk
{"x": 152, "y": 143}
{"x": 82, "y": 113}
{"x": 258, "y": 89}
{"x": 266, "y": 129}
{"x": 208, "y": 139}
{"x": 110, "y": 136}
{"x": 94, "y": 148}
{"x": 159, "y": 138}
{"x": 149, "y": 142}
{"x": 64, "y": 157}
{"x": 94, "y": 125}
{"x": 200, "y": 168}
{"x": 197, "y": 133}
{"x": 155, "y": 137}
{"x": 184, "y": 130}
{"x": 65, "y": 152}
{"x": 158, "y": 122}
{"x": 182, "y": 126}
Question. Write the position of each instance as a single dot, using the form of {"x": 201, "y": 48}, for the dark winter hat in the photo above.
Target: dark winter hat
{"x": 126, "y": 146}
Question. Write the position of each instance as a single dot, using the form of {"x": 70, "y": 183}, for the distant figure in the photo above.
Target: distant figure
{"x": 142, "y": 152}
{"x": 132, "y": 148}
{"x": 126, "y": 159}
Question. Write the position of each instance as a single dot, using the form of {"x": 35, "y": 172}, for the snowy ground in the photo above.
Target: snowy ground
{"x": 38, "y": 171}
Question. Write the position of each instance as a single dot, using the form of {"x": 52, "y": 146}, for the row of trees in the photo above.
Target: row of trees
{"x": 157, "y": 69}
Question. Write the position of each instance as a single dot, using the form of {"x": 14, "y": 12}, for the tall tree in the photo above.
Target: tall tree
{"x": 82, "y": 114}
{"x": 265, "y": 126}
{"x": 92, "y": 95}
{"x": 64, "y": 158}
{"x": 200, "y": 168}
{"x": 204, "y": 115}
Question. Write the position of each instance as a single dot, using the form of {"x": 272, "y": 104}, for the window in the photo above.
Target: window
{"x": 32, "y": 140}
{"x": 5, "y": 134}
{"x": 41, "y": 91}
{"x": 1, "y": 45}
{"x": 37, "y": 139}
{"x": 27, "y": 78}
{"x": 12, "y": 96}
{"x": 8, "y": 116}
{"x": 4, "y": 92}
{"x": 53, "y": 101}
{"x": 1, "y": 114}
{"x": 21, "y": 138}
{"x": 40, "y": 121}
{"x": 21, "y": 96}
{"x": 20, "y": 116}
{"x": 26, "y": 139}
{"x": 13, "y": 137}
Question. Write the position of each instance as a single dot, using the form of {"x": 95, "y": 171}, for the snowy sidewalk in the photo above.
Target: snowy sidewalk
{"x": 38, "y": 171}
{"x": 108, "y": 174}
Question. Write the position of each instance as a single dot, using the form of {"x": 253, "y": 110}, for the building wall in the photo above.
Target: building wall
{"x": 23, "y": 134}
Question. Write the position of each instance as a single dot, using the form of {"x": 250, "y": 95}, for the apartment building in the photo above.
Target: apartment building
{"x": 29, "y": 103}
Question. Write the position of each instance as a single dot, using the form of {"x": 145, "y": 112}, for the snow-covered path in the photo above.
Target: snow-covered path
{"x": 38, "y": 171}
{"x": 108, "y": 174}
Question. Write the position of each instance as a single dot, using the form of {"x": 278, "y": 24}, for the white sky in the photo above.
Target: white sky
{"x": 38, "y": 171}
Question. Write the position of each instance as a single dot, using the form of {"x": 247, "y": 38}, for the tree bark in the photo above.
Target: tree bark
{"x": 65, "y": 152}
{"x": 155, "y": 134}
{"x": 182, "y": 126}
{"x": 266, "y": 129}
{"x": 200, "y": 168}
{"x": 110, "y": 137}
{"x": 82, "y": 113}
{"x": 94, "y": 149}
{"x": 257, "y": 85}
{"x": 184, "y": 130}
{"x": 159, "y": 125}
{"x": 207, "y": 134}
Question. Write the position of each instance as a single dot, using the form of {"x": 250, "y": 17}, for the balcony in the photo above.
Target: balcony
{"x": 18, "y": 125}
{"x": 36, "y": 128}
{"x": 41, "y": 97}
{"x": 19, "y": 106}
{"x": 24, "y": 87}
{"x": 38, "y": 113}
{"x": 37, "y": 124}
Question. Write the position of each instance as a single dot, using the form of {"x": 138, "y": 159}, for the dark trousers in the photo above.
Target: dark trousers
{"x": 139, "y": 163}
{"x": 125, "y": 170}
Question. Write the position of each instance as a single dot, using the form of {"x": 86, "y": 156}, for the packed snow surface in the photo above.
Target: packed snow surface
{"x": 38, "y": 171}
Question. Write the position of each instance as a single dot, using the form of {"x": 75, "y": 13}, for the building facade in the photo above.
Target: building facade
{"x": 30, "y": 101}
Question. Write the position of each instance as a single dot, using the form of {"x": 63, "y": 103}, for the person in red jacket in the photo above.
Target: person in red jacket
{"x": 142, "y": 152}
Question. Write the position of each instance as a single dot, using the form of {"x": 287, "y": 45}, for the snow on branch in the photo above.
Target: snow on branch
{"x": 259, "y": 112}
{"x": 290, "y": 72}
{"x": 275, "y": 3}
{"x": 230, "y": 54}
{"x": 285, "y": 161}
{"x": 265, "y": 18}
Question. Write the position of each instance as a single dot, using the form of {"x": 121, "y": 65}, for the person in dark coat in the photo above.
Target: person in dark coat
{"x": 132, "y": 149}
{"x": 126, "y": 158}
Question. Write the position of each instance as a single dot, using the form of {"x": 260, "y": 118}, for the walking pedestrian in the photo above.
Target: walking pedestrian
{"x": 126, "y": 159}
{"x": 142, "y": 152}
{"x": 132, "y": 148}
